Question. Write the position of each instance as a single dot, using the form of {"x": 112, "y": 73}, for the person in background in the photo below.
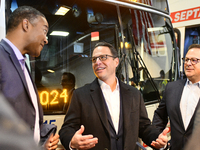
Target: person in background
{"x": 107, "y": 113}
{"x": 68, "y": 82}
{"x": 133, "y": 82}
{"x": 26, "y": 34}
{"x": 38, "y": 80}
{"x": 162, "y": 83}
{"x": 180, "y": 101}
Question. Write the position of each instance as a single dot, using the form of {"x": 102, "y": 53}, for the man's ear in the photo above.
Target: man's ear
{"x": 25, "y": 25}
{"x": 117, "y": 61}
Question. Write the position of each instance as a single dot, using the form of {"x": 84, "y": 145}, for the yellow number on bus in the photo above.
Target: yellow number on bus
{"x": 55, "y": 97}
{"x": 64, "y": 95}
{"x": 44, "y": 98}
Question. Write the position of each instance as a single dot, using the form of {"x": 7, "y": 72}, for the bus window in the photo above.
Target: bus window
{"x": 149, "y": 51}
{"x": 86, "y": 23}
{"x": 141, "y": 34}
{"x": 192, "y": 36}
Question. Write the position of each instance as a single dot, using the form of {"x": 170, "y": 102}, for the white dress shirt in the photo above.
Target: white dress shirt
{"x": 189, "y": 100}
{"x": 113, "y": 101}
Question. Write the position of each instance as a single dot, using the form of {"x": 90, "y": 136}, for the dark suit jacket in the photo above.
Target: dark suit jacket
{"x": 88, "y": 108}
{"x": 13, "y": 86}
{"x": 170, "y": 107}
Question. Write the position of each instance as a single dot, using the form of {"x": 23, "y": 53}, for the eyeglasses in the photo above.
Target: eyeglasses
{"x": 193, "y": 61}
{"x": 101, "y": 57}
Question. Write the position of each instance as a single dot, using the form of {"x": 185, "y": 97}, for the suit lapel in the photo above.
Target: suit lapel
{"x": 16, "y": 63}
{"x": 180, "y": 88}
{"x": 20, "y": 71}
{"x": 127, "y": 103}
{"x": 193, "y": 117}
{"x": 35, "y": 88}
{"x": 99, "y": 103}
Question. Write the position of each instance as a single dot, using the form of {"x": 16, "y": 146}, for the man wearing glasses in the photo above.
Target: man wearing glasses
{"x": 180, "y": 101}
{"x": 108, "y": 114}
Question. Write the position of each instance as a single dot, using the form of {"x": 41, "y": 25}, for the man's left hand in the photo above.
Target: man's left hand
{"x": 162, "y": 140}
{"x": 52, "y": 143}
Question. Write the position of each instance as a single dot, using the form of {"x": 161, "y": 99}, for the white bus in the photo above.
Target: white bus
{"x": 186, "y": 22}
{"x": 140, "y": 30}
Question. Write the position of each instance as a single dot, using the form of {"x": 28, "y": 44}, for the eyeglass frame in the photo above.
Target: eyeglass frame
{"x": 191, "y": 61}
{"x": 106, "y": 57}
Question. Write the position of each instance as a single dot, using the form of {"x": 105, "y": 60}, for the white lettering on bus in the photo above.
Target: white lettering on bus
{"x": 177, "y": 17}
{"x": 195, "y": 12}
{"x": 185, "y": 15}
{"x": 189, "y": 13}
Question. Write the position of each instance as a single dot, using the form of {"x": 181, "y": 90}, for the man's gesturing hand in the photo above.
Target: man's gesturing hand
{"x": 83, "y": 142}
{"x": 162, "y": 140}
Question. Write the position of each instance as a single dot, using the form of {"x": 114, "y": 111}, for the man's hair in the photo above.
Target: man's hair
{"x": 70, "y": 77}
{"x": 194, "y": 46}
{"x": 23, "y": 12}
{"x": 112, "y": 49}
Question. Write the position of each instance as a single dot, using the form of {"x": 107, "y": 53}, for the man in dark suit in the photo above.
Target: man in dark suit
{"x": 26, "y": 34}
{"x": 180, "y": 101}
{"x": 107, "y": 114}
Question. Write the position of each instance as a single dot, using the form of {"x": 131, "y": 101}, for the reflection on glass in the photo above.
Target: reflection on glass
{"x": 143, "y": 41}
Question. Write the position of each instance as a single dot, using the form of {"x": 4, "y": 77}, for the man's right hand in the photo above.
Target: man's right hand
{"x": 83, "y": 142}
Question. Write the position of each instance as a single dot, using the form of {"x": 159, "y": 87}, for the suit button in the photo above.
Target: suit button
{"x": 117, "y": 139}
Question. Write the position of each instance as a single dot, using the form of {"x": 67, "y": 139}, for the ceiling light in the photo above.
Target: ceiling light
{"x": 62, "y": 10}
{"x": 49, "y": 70}
{"x": 59, "y": 33}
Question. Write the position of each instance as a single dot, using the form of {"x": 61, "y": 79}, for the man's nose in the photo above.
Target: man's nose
{"x": 45, "y": 40}
{"x": 98, "y": 61}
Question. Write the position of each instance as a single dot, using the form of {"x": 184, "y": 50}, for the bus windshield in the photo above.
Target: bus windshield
{"x": 144, "y": 41}
{"x": 149, "y": 50}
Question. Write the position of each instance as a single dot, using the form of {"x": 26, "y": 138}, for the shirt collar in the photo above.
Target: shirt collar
{"x": 190, "y": 83}
{"x": 16, "y": 50}
{"x": 103, "y": 85}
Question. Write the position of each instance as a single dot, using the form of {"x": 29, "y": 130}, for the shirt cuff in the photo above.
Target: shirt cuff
{"x": 70, "y": 146}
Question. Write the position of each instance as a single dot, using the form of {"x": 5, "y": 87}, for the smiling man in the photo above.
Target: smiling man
{"x": 26, "y": 34}
{"x": 180, "y": 101}
{"x": 107, "y": 114}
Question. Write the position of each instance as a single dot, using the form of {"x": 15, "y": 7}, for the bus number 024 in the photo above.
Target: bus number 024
{"x": 44, "y": 97}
